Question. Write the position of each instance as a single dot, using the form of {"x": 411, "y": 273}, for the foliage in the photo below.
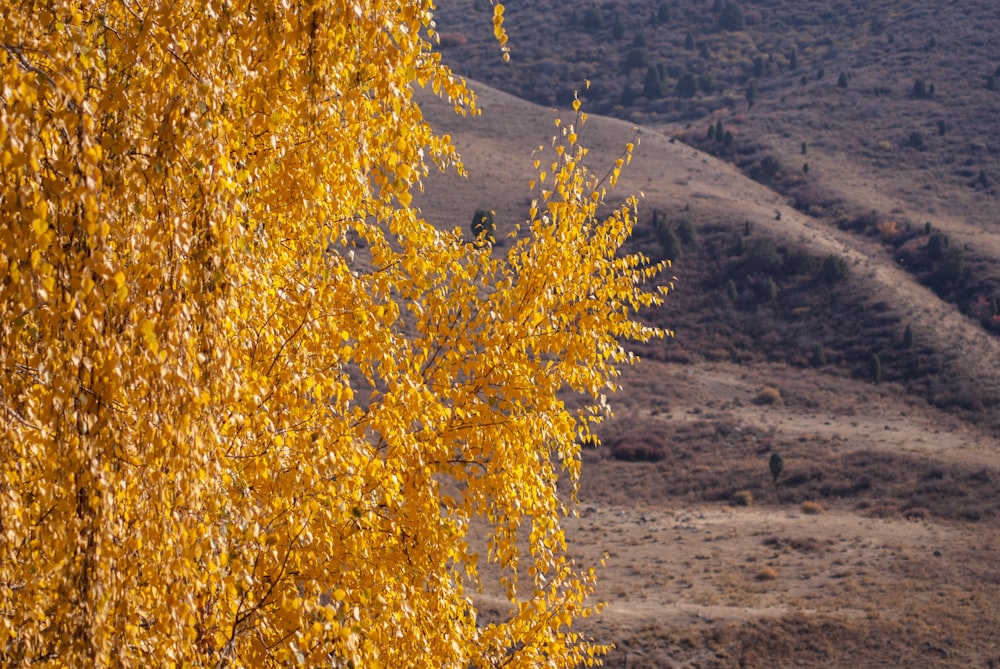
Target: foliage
{"x": 777, "y": 465}
{"x": 762, "y": 257}
{"x": 652, "y": 85}
{"x": 484, "y": 227}
{"x": 875, "y": 368}
{"x": 731, "y": 17}
{"x": 834, "y": 269}
{"x": 251, "y": 403}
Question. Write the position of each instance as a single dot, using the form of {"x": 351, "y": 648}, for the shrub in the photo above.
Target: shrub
{"x": 777, "y": 465}
{"x": 637, "y": 58}
{"x": 818, "y": 356}
{"x": 811, "y": 508}
{"x": 592, "y": 19}
{"x": 951, "y": 265}
{"x": 769, "y": 168}
{"x": 842, "y": 80}
{"x": 742, "y": 498}
{"x": 687, "y": 85}
{"x": 936, "y": 245}
{"x": 652, "y": 85}
{"x": 639, "y": 446}
{"x": 875, "y": 368}
{"x": 769, "y": 395}
{"x": 731, "y": 17}
{"x": 687, "y": 232}
{"x": 766, "y": 574}
{"x": 834, "y": 269}
{"x": 762, "y": 257}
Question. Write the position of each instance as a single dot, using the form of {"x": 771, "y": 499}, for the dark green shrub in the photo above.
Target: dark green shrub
{"x": 687, "y": 85}
{"x": 617, "y": 27}
{"x": 936, "y": 246}
{"x": 593, "y": 19}
{"x": 842, "y": 80}
{"x": 951, "y": 265}
{"x": 628, "y": 96}
{"x": 908, "y": 337}
{"x": 769, "y": 168}
{"x": 875, "y": 368}
{"x": 652, "y": 85}
{"x": 687, "y": 232}
{"x": 777, "y": 465}
{"x": 762, "y": 258}
{"x": 636, "y": 58}
{"x": 818, "y": 358}
{"x": 731, "y": 17}
{"x": 834, "y": 269}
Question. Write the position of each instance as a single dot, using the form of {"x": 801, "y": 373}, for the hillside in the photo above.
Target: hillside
{"x": 875, "y": 117}
{"x": 878, "y": 544}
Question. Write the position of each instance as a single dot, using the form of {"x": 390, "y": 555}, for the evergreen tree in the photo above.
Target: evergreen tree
{"x": 652, "y": 85}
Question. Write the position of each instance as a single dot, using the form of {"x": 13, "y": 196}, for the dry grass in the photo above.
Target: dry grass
{"x": 812, "y": 508}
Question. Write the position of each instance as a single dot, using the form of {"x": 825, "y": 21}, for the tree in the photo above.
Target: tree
{"x": 652, "y": 85}
{"x": 875, "y": 368}
{"x": 777, "y": 465}
{"x": 731, "y": 17}
{"x": 252, "y": 402}
{"x": 663, "y": 13}
{"x": 687, "y": 85}
{"x": 834, "y": 269}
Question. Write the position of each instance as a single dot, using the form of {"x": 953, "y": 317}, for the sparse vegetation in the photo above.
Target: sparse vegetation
{"x": 812, "y": 508}
{"x": 768, "y": 395}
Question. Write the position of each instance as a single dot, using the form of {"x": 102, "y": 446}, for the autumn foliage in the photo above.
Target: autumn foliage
{"x": 252, "y": 405}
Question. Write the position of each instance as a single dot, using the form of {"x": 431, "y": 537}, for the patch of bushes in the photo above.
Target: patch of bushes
{"x": 640, "y": 446}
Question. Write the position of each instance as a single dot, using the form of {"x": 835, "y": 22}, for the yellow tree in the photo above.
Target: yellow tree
{"x": 251, "y": 403}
